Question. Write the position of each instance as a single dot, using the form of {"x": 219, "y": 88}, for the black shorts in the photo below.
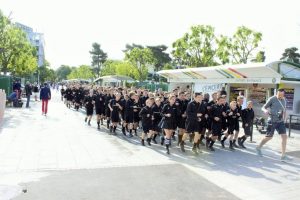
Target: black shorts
{"x": 99, "y": 111}
{"x": 146, "y": 128}
{"x": 278, "y": 126}
{"x": 129, "y": 119}
{"x": 248, "y": 130}
{"x": 114, "y": 117}
{"x": 89, "y": 111}
{"x": 216, "y": 129}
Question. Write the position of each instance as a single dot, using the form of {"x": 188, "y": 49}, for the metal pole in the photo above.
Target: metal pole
{"x": 290, "y": 125}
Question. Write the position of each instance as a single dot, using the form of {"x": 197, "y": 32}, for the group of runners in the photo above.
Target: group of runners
{"x": 197, "y": 117}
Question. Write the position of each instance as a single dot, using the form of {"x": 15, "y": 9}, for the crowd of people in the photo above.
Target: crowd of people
{"x": 197, "y": 118}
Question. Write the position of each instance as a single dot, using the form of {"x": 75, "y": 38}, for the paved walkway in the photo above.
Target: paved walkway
{"x": 33, "y": 146}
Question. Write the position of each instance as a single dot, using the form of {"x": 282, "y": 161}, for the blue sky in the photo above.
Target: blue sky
{"x": 71, "y": 26}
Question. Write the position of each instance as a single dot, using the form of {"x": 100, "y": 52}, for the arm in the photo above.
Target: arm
{"x": 49, "y": 94}
{"x": 266, "y": 106}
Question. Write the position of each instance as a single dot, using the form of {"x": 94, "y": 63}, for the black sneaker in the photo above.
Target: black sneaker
{"x": 149, "y": 141}
{"x": 98, "y": 127}
{"x": 143, "y": 143}
{"x": 239, "y": 142}
{"x": 211, "y": 148}
{"x": 242, "y": 145}
{"x": 222, "y": 143}
{"x": 207, "y": 144}
{"x": 154, "y": 141}
{"x": 182, "y": 146}
{"x": 168, "y": 150}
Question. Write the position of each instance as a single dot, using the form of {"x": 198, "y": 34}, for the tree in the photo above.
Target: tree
{"x": 291, "y": 54}
{"x": 159, "y": 53}
{"x": 62, "y": 72}
{"x": 17, "y": 55}
{"x": 260, "y": 57}
{"x": 82, "y": 72}
{"x": 168, "y": 66}
{"x": 197, "y": 48}
{"x": 129, "y": 47}
{"x": 127, "y": 69}
{"x": 109, "y": 67}
{"x": 98, "y": 57}
{"x": 46, "y": 73}
{"x": 140, "y": 58}
{"x": 243, "y": 43}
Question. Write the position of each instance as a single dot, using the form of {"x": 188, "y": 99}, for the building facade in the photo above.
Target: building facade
{"x": 36, "y": 39}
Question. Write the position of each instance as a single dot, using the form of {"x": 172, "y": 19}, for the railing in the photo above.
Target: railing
{"x": 292, "y": 125}
{"x": 2, "y": 103}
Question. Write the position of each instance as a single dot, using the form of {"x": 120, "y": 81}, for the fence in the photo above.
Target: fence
{"x": 2, "y": 103}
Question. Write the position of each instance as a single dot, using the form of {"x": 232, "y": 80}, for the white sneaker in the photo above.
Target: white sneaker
{"x": 285, "y": 158}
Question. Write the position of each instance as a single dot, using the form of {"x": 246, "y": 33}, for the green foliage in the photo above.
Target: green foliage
{"x": 62, "y": 72}
{"x": 168, "y": 66}
{"x": 140, "y": 58}
{"x": 17, "y": 55}
{"x": 291, "y": 54}
{"x": 243, "y": 43}
{"x": 98, "y": 57}
{"x": 109, "y": 67}
{"x": 127, "y": 69}
{"x": 223, "y": 51}
{"x": 159, "y": 53}
{"x": 130, "y": 47}
{"x": 201, "y": 47}
{"x": 197, "y": 48}
{"x": 46, "y": 73}
{"x": 82, "y": 72}
{"x": 260, "y": 57}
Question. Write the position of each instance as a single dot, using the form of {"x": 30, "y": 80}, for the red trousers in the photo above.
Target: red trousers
{"x": 44, "y": 105}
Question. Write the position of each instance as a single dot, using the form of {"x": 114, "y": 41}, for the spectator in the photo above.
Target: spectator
{"x": 28, "y": 92}
{"x": 12, "y": 98}
{"x": 45, "y": 96}
{"x": 17, "y": 88}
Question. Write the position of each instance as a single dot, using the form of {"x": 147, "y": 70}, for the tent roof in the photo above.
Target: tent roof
{"x": 242, "y": 73}
{"x": 115, "y": 78}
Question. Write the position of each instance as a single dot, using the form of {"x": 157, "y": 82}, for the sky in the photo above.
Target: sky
{"x": 71, "y": 26}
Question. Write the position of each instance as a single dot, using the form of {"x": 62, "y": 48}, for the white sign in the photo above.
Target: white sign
{"x": 207, "y": 88}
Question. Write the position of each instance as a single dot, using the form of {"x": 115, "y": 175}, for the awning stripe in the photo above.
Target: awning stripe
{"x": 220, "y": 72}
{"x": 237, "y": 72}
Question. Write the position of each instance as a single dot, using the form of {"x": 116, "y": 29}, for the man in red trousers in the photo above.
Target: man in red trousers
{"x": 45, "y": 96}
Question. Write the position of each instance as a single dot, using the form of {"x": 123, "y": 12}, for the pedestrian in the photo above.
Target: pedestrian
{"x": 35, "y": 91}
{"x": 169, "y": 120}
{"x": 217, "y": 113}
{"x": 28, "y": 92}
{"x": 45, "y": 96}
{"x": 233, "y": 124}
{"x": 146, "y": 115}
{"x": 115, "y": 109}
{"x": 275, "y": 108}
{"x": 89, "y": 106}
{"x": 247, "y": 119}
{"x": 195, "y": 122}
